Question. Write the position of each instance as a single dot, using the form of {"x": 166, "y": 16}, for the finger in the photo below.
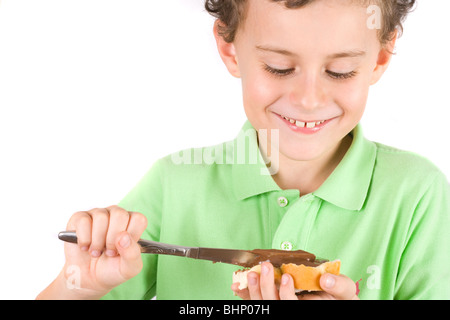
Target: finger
{"x": 118, "y": 222}
{"x": 81, "y": 223}
{"x": 130, "y": 255}
{"x": 314, "y": 295}
{"x": 253, "y": 286}
{"x": 287, "y": 289}
{"x": 136, "y": 225}
{"x": 100, "y": 221}
{"x": 340, "y": 287}
{"x": 269, "y": 290}
{"x": 243, "y": 294}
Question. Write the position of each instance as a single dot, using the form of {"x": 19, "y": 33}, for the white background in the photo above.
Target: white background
{"x": 92, "y": 92}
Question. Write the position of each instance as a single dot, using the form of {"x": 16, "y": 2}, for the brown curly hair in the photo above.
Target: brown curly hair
{"x": 232, "y": 12}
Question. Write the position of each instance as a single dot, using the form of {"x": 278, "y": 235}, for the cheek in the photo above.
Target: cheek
{"x": 352, "y": 98}
{"x": 259, "y": 92}
{"x": 354, "y": 95}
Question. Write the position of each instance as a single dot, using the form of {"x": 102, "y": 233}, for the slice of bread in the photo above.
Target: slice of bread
{"x": 308, "y": 278}
{"x": 305, "y": 278}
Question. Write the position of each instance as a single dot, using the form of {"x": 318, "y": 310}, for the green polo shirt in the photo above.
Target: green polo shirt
{"x": 383, "y": 212}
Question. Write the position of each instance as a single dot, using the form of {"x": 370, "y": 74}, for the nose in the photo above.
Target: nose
{"x": 308, "y": 92}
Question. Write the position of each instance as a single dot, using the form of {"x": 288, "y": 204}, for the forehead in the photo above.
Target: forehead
{"x": 320, "y": 27}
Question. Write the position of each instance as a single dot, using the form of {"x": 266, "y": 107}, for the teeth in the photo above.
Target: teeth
{"x": 302, "y": 124}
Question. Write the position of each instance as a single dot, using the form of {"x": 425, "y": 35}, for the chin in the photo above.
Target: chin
{"x": 300, "y": 153}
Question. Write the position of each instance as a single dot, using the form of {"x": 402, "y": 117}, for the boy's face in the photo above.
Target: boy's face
{"x": 310, "y": 65}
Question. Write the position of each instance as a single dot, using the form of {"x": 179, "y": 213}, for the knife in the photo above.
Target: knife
{"x": 243, "y": 258}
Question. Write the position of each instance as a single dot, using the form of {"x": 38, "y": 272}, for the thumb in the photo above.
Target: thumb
{"x": 340, "y": 287}
{"x": 130, "y": 255}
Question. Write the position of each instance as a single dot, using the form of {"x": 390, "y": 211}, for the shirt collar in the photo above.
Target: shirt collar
{"x": 346, "y": 187}
{"x": 250, "y": 174}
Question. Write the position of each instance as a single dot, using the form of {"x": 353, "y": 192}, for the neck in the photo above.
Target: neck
{"x": 308, "y": 176}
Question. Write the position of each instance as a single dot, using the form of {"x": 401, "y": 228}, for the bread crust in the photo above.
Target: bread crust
{"x": 305, "y": 278}
{"x": 308, "y": 278}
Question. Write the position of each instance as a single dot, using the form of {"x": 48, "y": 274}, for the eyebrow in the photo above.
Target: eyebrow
{"x": 344, "y": 54}
{"x": 276, "y": 50}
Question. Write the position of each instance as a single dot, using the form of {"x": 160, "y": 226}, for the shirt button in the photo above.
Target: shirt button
{"x": 282, "y": 202}
{"x": 286, "y": 245}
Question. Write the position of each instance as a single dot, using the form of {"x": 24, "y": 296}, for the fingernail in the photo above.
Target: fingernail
{"x": 284, "y": 279}
{"x": 264, "y": 269}
{"x": 125, "y": 241}
{"x": 330, "y": 281}
{"x": 252, "y": 281}
{"x": 110, "y": 253}
{"x": 96, "y": 253}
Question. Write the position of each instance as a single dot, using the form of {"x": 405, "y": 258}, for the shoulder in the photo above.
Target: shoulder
{"x": 405, "y": 167}
{"x": 196, "y": 163}
{"x": 405, "y": 161}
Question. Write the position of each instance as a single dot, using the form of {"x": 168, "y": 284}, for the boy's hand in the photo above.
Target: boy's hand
{"x": 262, "y": 287}
{"x": 107, "y": 253}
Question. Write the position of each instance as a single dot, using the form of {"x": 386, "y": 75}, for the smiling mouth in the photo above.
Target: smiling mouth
{"x": 304, "y": 124}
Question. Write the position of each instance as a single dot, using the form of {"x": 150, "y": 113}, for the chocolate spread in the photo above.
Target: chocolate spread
{"x": 279, "y": 257}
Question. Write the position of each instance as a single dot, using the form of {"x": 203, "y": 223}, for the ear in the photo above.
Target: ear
{"x": 384, "y": 58}
{"x": 227, "y": 52}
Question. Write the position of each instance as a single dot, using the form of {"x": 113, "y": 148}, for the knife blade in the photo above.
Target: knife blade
{"x": 243, "y": 258}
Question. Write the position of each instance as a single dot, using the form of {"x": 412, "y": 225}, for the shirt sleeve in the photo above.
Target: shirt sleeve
{"x": 424, "y": 271}
{"x": 146, "y": 198}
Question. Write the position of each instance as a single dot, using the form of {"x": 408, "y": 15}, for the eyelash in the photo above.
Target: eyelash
{"x": 278, "y": 72}
{"x": 286, "y": 72}
{"x": 342, "y": 76}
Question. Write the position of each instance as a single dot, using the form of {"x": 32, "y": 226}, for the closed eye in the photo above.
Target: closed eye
{"x": 286, "y": 72}
{"x": 279, "y": 72}
{"x": 341, "y": 76}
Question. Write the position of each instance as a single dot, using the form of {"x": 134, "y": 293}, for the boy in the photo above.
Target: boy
{"x": 315, "y": 183}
